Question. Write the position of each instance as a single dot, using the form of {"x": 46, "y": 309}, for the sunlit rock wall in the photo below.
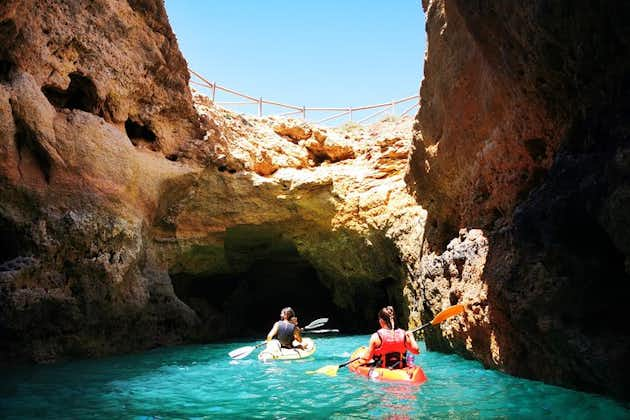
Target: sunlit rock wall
{"x": 274, "y": 189}
{"x": 113, "y": 184}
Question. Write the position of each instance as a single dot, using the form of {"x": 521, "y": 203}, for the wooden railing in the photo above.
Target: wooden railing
{"x": 351, "y": 112}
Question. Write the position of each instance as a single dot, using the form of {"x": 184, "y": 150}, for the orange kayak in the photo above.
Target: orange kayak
{"x": 411, "y": 375}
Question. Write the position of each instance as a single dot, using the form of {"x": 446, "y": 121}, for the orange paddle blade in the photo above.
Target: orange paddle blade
{"x": 447, "y": 313}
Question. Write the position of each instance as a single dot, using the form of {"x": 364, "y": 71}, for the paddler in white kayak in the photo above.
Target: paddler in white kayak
{"x": 287, "y": 333}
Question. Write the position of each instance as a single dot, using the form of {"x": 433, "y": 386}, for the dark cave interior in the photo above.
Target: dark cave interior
{"x": 247, "y": 303}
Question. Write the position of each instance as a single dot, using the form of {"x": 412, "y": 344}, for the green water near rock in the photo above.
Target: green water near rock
{"x": 202, "y": 382}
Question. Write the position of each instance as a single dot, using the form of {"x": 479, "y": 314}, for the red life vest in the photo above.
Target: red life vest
{"x": 392, "y": 348}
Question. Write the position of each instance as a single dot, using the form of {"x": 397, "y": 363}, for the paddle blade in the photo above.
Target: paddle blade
{"x": 241, "y": 352}
{"x": 330, "y": 370}
{"x": 317, "y": 323}
{"x": 447, "y": 313}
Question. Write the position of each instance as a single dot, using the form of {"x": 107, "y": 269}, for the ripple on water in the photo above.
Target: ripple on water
{"x": 201, "y": 382}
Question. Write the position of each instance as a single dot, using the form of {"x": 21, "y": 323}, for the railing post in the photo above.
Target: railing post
{"x": 260, "y": 107}
{"x": 393, "y": 108}
{"x": 350, "y": 109}
{"x": 214, "y": 90}
{"x": 304, "y": 112}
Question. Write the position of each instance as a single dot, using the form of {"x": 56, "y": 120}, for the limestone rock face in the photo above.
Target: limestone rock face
{"x": 294, "y": 131}
{"x": 76, "y": 277}
{"x": 453, "y": 277}
{"x": 520, "y": 136}
{"x": 92, "y": 97}
{"x": 132, "y": 218}
{"x": 115, "y": 59}
{"x": 351, "y": 219}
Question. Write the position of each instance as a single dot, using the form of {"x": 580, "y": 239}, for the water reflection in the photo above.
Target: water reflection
{"x": 391, "y": 401}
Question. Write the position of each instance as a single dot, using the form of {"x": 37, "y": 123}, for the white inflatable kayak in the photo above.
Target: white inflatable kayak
{"x": 273, "y": 351}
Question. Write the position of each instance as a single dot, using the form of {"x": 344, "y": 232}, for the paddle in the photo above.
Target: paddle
{"x": 243, "y": 352}
{"x": 446, "y": 313}
{"x": 334, "y": 330}
{"x": 331, "y": 370}
{"x": 316, "y": 324}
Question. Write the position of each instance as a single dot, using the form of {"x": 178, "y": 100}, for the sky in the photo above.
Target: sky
{"x": 317, "y": 53}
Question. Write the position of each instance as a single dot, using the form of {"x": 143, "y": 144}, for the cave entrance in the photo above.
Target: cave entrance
{"x": 139, "y": 133}
{"x": 246, "y": 304}
{"x": 81, "y": 94}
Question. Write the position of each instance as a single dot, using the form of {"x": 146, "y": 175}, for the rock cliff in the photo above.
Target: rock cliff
{"x": 284, "y": 211}
{"x": 522, "y": 142}
{"x": 132, "y": 215}
{"x": 135, "y": 214}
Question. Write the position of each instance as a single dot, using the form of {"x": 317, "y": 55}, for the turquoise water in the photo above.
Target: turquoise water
{"x": 202, "y": 382}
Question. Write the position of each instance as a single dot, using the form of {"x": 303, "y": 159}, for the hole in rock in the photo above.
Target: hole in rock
{"x": 9, "y": 241}
{"x": 246, "y": 304}
{"x": 81, "y": 94}
{"x": 13, "y": 243}
{"x": 537, "y": 149}
{"x": 6, "y": 67}
{"x": 224, "y": 168}
{"x": 318, "y": 159}
{"x": 139, "y": 133}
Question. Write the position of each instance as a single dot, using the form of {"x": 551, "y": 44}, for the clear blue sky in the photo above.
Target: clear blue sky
{"x": 309, "y": 52}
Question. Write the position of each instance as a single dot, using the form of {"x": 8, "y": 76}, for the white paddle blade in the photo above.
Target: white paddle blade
{"x": 334, "y": 330}
{"x": 317, "y": 323}
{"x": 241, "y": 352}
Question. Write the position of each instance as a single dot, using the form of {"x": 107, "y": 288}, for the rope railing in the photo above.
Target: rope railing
{"x": 295, "y": 110}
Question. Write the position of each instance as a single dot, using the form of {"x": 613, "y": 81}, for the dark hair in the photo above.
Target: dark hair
{"x": 387, "y": 315}
{"x": 287, "y": 313}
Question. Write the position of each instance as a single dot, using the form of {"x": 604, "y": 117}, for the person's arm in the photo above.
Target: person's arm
{"x": 297, "y": 334}
{"x": 374, "y": 343}
{"x": 272, "y": 332}
{"x": 411, "y": 344}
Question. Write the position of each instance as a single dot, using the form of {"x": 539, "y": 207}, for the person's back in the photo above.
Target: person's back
{"x": 284, "y": 330}
{"x": 392, "y": 349}
{"x": 388, "y": 345}
{"x": 286, "y": 333}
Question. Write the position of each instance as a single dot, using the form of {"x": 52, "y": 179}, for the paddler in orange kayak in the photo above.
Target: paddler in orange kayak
{"x": 388, "y": 345}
